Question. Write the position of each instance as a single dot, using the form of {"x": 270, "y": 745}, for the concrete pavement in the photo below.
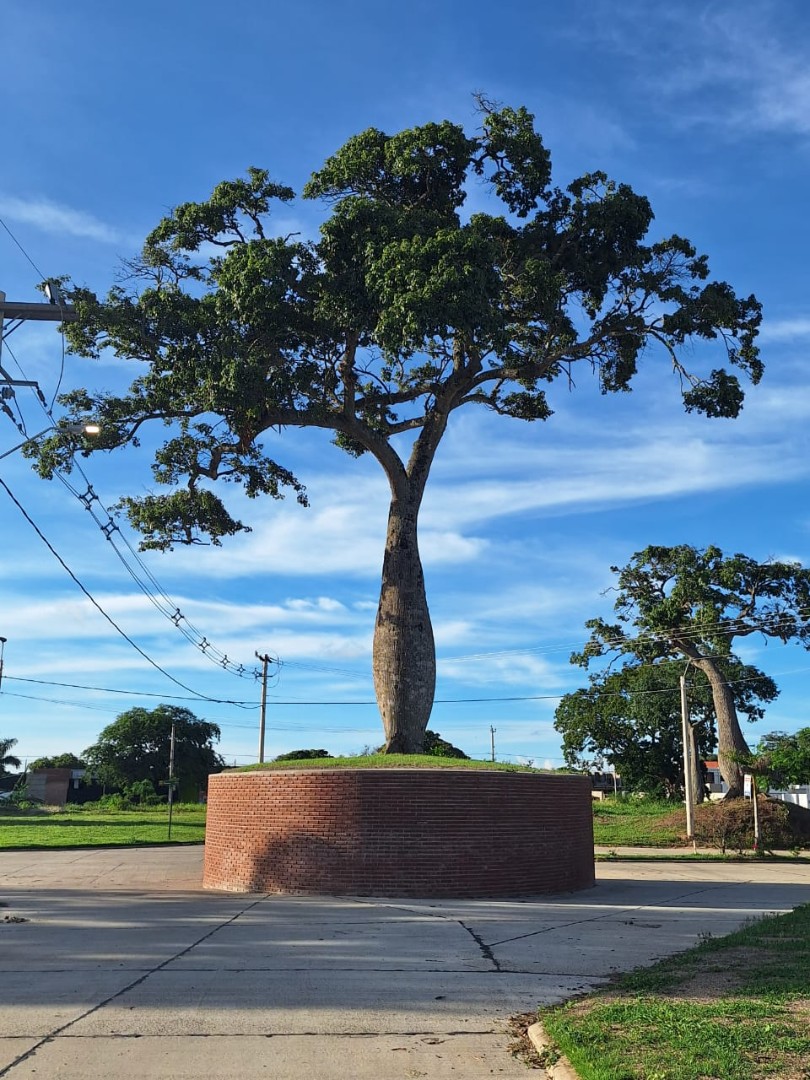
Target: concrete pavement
{"x": 127, "y": 968}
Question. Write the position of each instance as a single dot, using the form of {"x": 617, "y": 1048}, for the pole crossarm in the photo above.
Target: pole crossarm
{"x": 24, "y": 312}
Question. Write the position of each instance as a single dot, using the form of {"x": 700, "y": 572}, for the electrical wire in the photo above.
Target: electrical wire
{"x": 42, "y": 276}
{"x": 100, "y": 609}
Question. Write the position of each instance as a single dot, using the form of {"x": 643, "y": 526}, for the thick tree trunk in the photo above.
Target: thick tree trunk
{"x": 404, "y": 658}
{"x": 698, "y": 784}
{"x": 731, "y": 742}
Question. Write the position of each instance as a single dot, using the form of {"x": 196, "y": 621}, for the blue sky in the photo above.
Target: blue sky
{"x": 111, "y": 119}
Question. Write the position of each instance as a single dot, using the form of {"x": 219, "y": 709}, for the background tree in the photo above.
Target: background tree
{"x": 301, "y": 755}
{"x": 786, "y": 758}
{"x": 404, "y": 311}
{"x": 436, "y": 746}
{"x": 7, "y": 759}
{"x": 59, "y": 761}
{"x": 693, "y": 603}
{"x": 630, "y": 718}
{"x": 135, "y": 747}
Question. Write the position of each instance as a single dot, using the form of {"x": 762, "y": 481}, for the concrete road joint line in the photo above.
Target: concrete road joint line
{"x": 486, "y": 950}
{"x": 616, "y": 913}
{"x": 125, "y": 989}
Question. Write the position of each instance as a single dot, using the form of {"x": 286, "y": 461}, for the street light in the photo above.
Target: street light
{"x": 71, "y": 429}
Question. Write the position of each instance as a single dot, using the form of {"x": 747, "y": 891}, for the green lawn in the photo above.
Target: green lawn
{"x": 93, "y": 828}
{"x": 638, "y": 822}
{"x": 734, "y": 1008}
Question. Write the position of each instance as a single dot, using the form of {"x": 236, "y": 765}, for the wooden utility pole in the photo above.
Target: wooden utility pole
{"x": 687, "y": 762}
{"x": 171, "y": 779}
{"x": 15, "y": 314}
{"x": 265, "y": 659}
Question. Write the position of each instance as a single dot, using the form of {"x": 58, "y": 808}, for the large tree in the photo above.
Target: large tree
{"x": 694, "y": 603}
{"x": 630, "y": 718}
{"x": 136, "y": 747}
{"x": 404, "y": 311}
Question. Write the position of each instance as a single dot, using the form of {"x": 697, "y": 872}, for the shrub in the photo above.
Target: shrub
{"x": 729, "y": 824}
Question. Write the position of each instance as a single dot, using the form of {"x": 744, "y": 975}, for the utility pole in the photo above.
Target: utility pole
{"x": 492, "y": 731}
{"x": 265, "y": 659}
{"x": 2, "y": 650}
{"x": 687, "y": 762}
{"x": 56, "y": 310}
{"x": 171, "y": 779}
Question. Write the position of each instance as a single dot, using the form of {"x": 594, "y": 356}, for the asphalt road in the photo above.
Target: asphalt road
{"x": 126, "y": 968}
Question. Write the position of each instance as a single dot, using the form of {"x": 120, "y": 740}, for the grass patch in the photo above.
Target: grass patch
{"x": 95, "y": 828}
{"x": 638, "y": 822}
{"x": 733, "y": 1008}
{"x": 388, "y": 761}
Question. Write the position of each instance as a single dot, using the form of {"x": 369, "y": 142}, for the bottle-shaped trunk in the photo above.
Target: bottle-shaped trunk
{"x": 404, "y": 660}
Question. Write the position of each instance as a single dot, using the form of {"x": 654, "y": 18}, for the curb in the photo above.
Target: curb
{"x": 562, "y": 1069}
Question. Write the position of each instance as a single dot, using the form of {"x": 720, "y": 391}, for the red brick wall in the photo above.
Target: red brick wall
{"x": 399, "y": 832}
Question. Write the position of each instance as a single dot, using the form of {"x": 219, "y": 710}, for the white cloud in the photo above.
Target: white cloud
{"x": 779, "y": 330}
{"x": 52, "y": 217}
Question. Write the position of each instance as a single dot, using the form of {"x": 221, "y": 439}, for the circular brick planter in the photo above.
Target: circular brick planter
{"x": 399, "y": 832}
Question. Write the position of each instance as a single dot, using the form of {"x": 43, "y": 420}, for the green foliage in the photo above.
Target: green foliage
{"x": 436, "y": 746}
{"x": 59, "y": 761}
{"x": 630, "y": 719}
{"x": 135, "y": 748}
{"x": 786, "y": 758}
{"x": 401, "y": 312}
{"x": 8, "y": 759}
{"x": 692, "y": 603}
{"x": 301, "y": 755}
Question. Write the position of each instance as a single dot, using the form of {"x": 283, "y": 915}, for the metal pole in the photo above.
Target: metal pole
{"x": 2, "y": 650}
{"x": 492, "y": 731}
{"x": 687, "y": 767}
{"x": 171, "y": 780}
{"x": 265, "y": 659}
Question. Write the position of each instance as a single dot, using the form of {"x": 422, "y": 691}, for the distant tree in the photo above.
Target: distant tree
{"x": 786, "y": 758}
{"x": 693, "y": 603}
{"x": 405, "y": 310}
{"x": 300, "y": 755}
{"x": 8, "y": 760}
{"x": 436, "y": 746}
{"x": 60, "y": 761}
{"x": 135, "y": 747}
{"x": 630, "y": 719}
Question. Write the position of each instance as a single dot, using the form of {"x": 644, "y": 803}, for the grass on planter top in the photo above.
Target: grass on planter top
{"x": 736, "y": 1008}
{"x": 97, "y": 828}
{"x": 388, "y": 761}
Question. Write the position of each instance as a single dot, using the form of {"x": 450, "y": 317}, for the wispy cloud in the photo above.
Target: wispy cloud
{"x": 785, "y": 330}
{"x": 52, "y": 217}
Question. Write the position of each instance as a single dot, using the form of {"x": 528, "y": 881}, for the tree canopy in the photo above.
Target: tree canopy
{"x": 630, "y": 718}
{"x": 135, "y": 747}
{"x": 786, "y": 758}
{"x": 694, "y": 603}
{"x": 404, "y": 310}
{"x": 58, "y": 761}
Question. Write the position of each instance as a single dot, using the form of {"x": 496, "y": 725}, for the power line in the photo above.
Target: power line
{"x": 100, "y": 609}
{"x": 42, "y": 277}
